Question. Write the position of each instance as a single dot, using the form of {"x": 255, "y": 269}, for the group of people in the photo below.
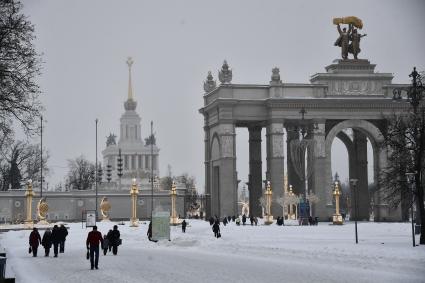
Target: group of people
{"x": 55, "y": 237}
{"x": 95, "y": 240}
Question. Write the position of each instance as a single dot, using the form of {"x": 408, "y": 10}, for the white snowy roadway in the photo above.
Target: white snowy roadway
{"x": 321, "y": 253}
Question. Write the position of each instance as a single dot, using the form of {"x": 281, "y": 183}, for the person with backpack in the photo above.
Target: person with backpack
{"x": 46, "y": 242}
{"x": 92, "y": 243}
{"x": 216, "y": 229}
{"x": 55, "y": 240}
{"x": 115, "y": 240}
{"x": 34, "y": 241}
{"x": 184, "y": 226}
{"x": 63, "y": 232}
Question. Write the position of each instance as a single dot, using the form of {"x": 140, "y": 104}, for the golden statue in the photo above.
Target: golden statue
{"x": 105, "y": 206}
{"x": 42, "y": 208}
{"x": 352, "y": 35}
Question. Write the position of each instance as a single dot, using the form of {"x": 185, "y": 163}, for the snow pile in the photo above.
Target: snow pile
{"x": 323, "y": 253}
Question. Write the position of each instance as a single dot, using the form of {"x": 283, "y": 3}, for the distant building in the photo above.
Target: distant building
{"x": 136, "y": 155}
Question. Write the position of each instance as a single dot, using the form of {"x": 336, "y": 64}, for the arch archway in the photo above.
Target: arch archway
{"x": 357, "y": 151}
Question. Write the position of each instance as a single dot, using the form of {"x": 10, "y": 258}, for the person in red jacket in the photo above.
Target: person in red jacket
{"x": 93, "y": 239}
{"x": 34, "y": 241}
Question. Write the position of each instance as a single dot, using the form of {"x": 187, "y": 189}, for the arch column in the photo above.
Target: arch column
{"x": 275, "y": 163}
{"x": 360, "y": 173}
{"x": 293, "y": 178}
{"x": 255, "y": 171}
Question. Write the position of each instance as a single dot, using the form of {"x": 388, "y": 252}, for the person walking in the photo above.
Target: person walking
{"x": 225, "y": 221}
{"x": 243, "y": 219}
{"x": 34, "y": 241}
{"x": 184, "y": 226}
{"x": 46, "y": 242}
{"x": 216, "y": 229}
{"x": 93, "y": 239}
{"x": 149, "y": 233}
{"x": 109, "y": 236}
{"x": 105, "y": 244}
{"x": 55, "y": 240}
{"x": 63, "y": 232}
{"x": 115, "y": 240}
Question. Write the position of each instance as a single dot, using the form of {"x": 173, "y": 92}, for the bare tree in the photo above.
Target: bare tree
{"x": 21, "y": 161}
{"x": 81, "y": 173}
{"x": 19, "y": 68}
{"x": 405, "y": 140}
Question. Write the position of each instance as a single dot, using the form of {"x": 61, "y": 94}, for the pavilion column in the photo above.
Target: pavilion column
{"x": 275, "y": 164}
{"x": 293, "y": 178}
{"x": 360, "y": 173}
{"x": 255, "y": 171}
{"x": 320, "y": 178}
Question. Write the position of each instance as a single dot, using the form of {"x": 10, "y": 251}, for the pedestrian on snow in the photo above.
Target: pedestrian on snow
{"x": 184, "y": 226}
{"x": 255, "y": 221}
{"x": 229, "y": 218}
{"x": 55, "y": 240}
{"x": 251, "y": 220}
{"x": 211, "y": 221}
{"x": 46, "y": 242}
{"x": 105, "y": 244}
{"x": 115, "y": 240}
{"x": 92, "y": 243}
{"x": 149, "y": 233}
{"x": 243, "y": 219}
{"x": 34, "y": 241}
{"x": 278, "y": 220}
{"x": 63, "y": 232}
{"x": 109, "y": 235}
{"x": 225, "y": 221}
{"x": 216, "y": 229}
{"x": 238, "y": 221}
{"x": 233, "y": 218}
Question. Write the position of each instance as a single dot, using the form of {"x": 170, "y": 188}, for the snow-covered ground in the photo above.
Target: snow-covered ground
{"x": 323, "y": 253}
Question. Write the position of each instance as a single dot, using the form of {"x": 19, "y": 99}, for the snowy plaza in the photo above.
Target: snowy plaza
{"x": 323, "y": 253}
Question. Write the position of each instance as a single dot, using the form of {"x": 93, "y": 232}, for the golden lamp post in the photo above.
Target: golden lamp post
{"x": 174, "y": 220}
{"x": 42, "y": 209}
{"x": 134, "y": 191}
{"x": 29, "y": 193}
{"x": 268, "y": 196}
{"x": 337, "y": 218}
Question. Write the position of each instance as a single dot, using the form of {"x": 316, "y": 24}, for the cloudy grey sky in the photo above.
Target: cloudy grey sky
{"x": 174, "y": 44}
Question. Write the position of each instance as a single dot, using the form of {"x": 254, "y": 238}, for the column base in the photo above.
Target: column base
{"x": 174, "y": 221}
{"x": 106, "y": 219}
{"x": 337, "y": 219}
{"x": 43, "y": 222}
{"x": 134, "y": 222}
{"x": 268, "y": 219}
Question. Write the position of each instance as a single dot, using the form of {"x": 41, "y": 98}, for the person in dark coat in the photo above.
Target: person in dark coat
{"x": 251, "y": 220}
{"x": 184, "y": 226}
{"x": 216, "y": 229}
{"x": 114, "y": 240}
{"x": 225, "y": 221}
{"x": 149, "y": 233}
{"x": 34, "y": 241}
{"x": 105, "y": 244}
{"x": 211, "y": 221}
{"x": 109, "y": 236}
{"x": 229, "y": 218}
{"x": 92, "y": 243}
{"x": 63, "y": 232}
{"x": 46, "y": 242}
{"x": 243, "y": 219}
{"x": 55, "y": 239}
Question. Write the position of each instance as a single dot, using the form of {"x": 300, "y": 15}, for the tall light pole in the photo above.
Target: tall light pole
{"x": 354, "y": 185}
{"x": 95, "y": 170}
{"x": 41, "y": 157}
{"x": 411, "y": 184}
{"x": 151, "y": 169}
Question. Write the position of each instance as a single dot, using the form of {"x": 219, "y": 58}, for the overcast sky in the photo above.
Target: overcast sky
{"x": 174, "y": 44}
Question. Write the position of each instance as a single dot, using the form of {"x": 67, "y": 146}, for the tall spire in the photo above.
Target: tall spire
{"x": 131, "y": 103}
{"x": 130, "y": 87}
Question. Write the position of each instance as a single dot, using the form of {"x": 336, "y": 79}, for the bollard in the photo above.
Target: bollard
{"x": 2, "y": 267}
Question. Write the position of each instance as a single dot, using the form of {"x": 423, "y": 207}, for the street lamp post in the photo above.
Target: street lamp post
{"x": 411, "y": 183}
{"x": 95, "y": 170}
{"x": 151, "y": 169}
{"x": 134, "y": 191}
{"x": 356, "y": 209}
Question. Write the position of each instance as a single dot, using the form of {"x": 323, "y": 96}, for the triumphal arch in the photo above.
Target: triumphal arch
{"x": 350, "y": 94}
